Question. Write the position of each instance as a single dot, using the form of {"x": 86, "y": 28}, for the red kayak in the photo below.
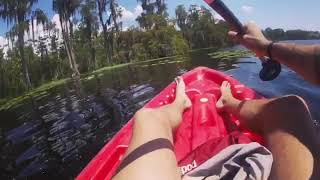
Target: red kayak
{"x": 203, "y": 133}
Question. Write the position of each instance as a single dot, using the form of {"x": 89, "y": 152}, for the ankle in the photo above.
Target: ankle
{"x": 231, "y": 103}
{"x": 177, "y": 105}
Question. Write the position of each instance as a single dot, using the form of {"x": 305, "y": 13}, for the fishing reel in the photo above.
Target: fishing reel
{"x": 270, "y": 69}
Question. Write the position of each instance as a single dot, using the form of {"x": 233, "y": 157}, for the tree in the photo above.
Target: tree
{"x": 181, "y": 16}
{"x": 53, "y": 57}
{"x": 17, "y": 12}
{"x": 90, "y": 28}
{"x": 11, "y": 36}
{"x": 109, "y": 12}
{"x": 54, "y": 46}
{"x": 66, "y": 10}
{"x": 2, "y": 69}
{"x": 154, "y": 14}
{"x": 41, "y": 18}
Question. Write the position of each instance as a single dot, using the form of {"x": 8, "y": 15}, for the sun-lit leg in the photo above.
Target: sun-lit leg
{"x": 288, "y": 129}
{"x": 152, "y": 124}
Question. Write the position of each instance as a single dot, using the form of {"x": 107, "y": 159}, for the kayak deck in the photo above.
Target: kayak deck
{"x": 201, "y": 123}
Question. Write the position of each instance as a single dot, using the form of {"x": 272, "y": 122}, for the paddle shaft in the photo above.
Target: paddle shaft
{"x": 227, "y": 15}
{"x": 271, "y": 68}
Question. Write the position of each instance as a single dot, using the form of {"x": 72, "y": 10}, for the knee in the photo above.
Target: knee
{"x": 295, "y": 101}
{"x": 149, "y": 117}
{"x": 146, "y": 114}
{"x": 143, "y": 114}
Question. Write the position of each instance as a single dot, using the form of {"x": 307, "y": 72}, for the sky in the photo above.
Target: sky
{"x": 293, "y": 14}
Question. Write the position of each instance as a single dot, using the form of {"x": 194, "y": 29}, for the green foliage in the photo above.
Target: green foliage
{"x": 162, "y": 42}
{"x": 232, "y": 54}
{"x": 56, "y": 56}
{"x": 179, "y": 45}
{"x": 200, "y": 29}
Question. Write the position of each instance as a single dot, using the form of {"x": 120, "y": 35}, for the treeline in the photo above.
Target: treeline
{"x": 90, "y": 35}
{"x": 280, "y": 34}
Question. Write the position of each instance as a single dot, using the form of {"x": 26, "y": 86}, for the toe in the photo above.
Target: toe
{"x": 228, "y": 85}
{"x": 224, "y": 83}
{"x": 176, "y": 80}
{"x": 188, "y": 103}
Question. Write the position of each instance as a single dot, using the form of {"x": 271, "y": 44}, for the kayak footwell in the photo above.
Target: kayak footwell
{"x": 204, "y": 130}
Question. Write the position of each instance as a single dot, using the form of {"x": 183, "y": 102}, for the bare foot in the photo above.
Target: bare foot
{"x": 181, "y": 96}
{"x": 226, "y": 96}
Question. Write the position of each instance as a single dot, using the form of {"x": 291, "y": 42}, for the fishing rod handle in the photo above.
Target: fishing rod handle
{"x": 227, "y": 15}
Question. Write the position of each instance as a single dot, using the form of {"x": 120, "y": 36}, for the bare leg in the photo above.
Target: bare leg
{"x": 288, "y": 129}
{"x": 151, "y": 124}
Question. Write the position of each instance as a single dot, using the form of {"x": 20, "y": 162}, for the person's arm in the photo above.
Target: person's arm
{"x": 303, "y": 59}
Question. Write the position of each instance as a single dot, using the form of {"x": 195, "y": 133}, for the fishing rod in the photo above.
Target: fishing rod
{"x": 270, "y": 68}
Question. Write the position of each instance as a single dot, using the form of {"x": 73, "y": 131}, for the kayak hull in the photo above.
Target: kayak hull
{"x": 203, "y": 126}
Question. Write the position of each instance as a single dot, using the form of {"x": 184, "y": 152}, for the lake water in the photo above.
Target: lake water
{"x": 54, "y": 135}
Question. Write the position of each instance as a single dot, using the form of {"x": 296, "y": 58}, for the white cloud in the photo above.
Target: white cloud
{"x": 128, "y": 15}
{"x": 247, "y": 9}
{"x": 39, "y": 30}
{"x": 125, "y": 28}
{"x": 56, "y": 20}
{"x": 2, "y": 41}
{"x": 4, "y": 44}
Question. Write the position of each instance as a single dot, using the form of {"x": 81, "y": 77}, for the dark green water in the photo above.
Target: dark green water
{"x": 56, "y": 134}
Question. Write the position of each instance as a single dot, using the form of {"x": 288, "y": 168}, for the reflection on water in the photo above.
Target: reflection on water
{"x": 66, "y": 129}
{"x": 56, "y": 134}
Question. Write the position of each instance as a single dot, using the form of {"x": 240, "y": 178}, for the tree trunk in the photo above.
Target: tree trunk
{"x": 110, "y": 45}
{"x": 93, "y": 53}
{"x": 69, "y": 49}
{"x": 2, "y": 83}
{"x": 105, "y": 32}
{"x": 90, "y": 36}
{"x": 8, "y": 41}
{"x": 116, "y": 25}
{"x": 66, "y": 44}
{"x": 77, "y": 73}
{"x": 23, "y": 59}
{"x": 32, "y": 27}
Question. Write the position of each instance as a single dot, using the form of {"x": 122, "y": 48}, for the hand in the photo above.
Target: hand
{"x": 253, "y": 39}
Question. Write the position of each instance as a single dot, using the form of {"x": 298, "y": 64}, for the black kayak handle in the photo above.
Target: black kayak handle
{"x": 270, "y": 68}
{"x": 227, "y": 15}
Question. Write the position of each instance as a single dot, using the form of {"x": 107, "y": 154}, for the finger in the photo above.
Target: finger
{"x": 246, "y": 36}
{"x": 232, "y": 29}
{"x": 263, "y": 59}
{"x": 246, "y": 27}
{"x": 234, "y": 36}
{"x": 232, "y": 33}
